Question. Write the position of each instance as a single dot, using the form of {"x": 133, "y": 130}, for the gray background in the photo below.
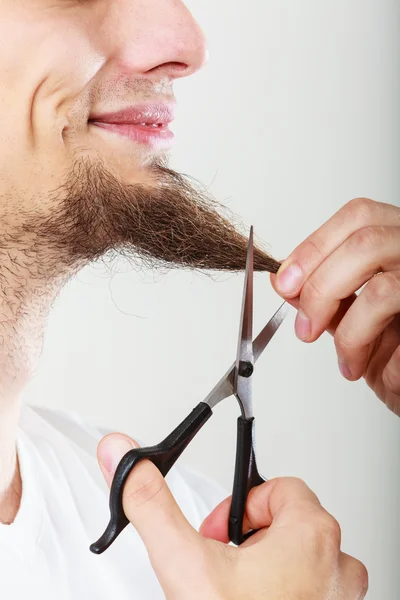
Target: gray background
{"x": 296, "y": 113}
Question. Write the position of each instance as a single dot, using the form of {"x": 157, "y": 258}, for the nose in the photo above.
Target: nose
{"x": 157, "y": 37}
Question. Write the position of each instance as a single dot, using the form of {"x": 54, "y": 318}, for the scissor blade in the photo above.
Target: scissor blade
{"x": 242, "y": 386}
{"x": 266, "y": 335}
{"x": 228, "y": 385}
{"x": 245, "y": 342}
{"x": 223, "y": 389}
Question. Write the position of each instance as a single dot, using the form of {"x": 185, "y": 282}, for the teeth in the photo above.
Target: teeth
{"x": 154, "y": 125}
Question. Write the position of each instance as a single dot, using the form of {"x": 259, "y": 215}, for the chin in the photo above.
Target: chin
{"x": 133, "y": 167}
{"x": 122, "y": 153}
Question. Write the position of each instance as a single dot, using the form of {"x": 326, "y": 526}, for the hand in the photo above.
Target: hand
{"x": 295, "y": 555}
{"x": 359, "y": 245}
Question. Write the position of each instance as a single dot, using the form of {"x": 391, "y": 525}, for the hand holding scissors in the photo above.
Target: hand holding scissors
{"x": 238, "y": 382}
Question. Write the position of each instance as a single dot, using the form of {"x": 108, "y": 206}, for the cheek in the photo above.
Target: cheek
{"x": 46, "y": 62}
{"x": 42, "y": 60}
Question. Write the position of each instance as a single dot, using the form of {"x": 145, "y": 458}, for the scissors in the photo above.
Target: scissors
{"x": 238, "y": 382}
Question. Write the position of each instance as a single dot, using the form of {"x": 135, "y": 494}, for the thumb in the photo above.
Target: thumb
{"x": 149, "y": 504}
{"x": 292, "y": 301}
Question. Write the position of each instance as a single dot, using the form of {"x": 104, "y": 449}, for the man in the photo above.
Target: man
{"x": 85, "y": 106}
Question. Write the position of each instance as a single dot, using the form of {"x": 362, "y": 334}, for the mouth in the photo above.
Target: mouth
{"x": 146, "y": 124}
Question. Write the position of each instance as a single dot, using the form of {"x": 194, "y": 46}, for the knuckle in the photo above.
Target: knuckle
{"x": 304, "y": 493}
{"x": 295, "y": 495}
{"x": 330, "y": 529}
{"x": 366, "y": 238}
{"x": 143, "y": 486}
{"x": 360, "y": 576}
{"x": 382, "y": 287}
{"x": 293, "y": 481}
{"x": 290, "y": 485}
{"x": 313, "y": 249}
{"x": 323, "y": 534}
{"x": 363, "y": 579}
{"x": 343, "y": 340}
{"x": 362, "y": 209}
{"x": 391, "y": 378}
{"x": 314, "y": 288}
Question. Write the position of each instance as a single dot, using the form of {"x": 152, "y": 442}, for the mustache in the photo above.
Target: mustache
{"x": 128, "y": 91}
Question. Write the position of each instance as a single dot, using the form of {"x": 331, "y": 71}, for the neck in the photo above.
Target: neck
{"x": 27, "y": 291}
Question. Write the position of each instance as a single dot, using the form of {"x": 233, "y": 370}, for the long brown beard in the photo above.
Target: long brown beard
{"x": 173, "y": 223}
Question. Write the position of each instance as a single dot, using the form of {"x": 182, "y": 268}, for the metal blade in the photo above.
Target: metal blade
{"x": 245, "y": 342}
{"x": 225, "y": 387}
{"x": 248, "y": 351}
{"x": 242, "y": 384}
{"x": 266, "y": 335}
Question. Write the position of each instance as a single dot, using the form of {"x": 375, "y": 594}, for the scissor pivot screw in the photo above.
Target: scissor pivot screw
{"x": 245, "y": 368}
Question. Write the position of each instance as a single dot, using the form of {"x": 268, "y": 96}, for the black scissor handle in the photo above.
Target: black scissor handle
{"x": 246, "y": 478}
{"x": 163, "y": 456}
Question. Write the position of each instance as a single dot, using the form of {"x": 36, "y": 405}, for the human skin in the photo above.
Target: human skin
{"x": 295, "y": 556}
{"x": 358, "y": 246}
{"x": 60, "y": 62}
{"x": 71, "y": 186}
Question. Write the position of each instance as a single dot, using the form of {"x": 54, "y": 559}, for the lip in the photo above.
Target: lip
{"x": 145, "y": 124}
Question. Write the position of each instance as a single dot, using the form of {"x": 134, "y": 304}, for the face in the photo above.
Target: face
{"x": 87, "y": 97}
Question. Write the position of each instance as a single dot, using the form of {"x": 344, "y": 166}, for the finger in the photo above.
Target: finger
{"x": 264, "y": 504}
{"x": 215, "y": 526}
{"x": 152, "y": 510}
{"x": 355, "y": 262}
{"x": 343, "y": 308}
{"x": 388, "y": 342}
{"x": 310, "y": 254}
{"x": 276, "y": 497}
{"x": 337, "y": 318}
{"x": 292, "y": 301}
{"x": 149, "y": 505}
{"x": 353, "y": 578}
{"x": 372, "y": 312}
{"x": 110, "y": 454}
{"x": 391, "y": 377}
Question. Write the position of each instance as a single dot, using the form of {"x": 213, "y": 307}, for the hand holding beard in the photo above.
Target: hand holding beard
{"x": 359, "y": 246}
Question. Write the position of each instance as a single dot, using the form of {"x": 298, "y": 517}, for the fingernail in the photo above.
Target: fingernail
{"x": 345, "y": 371}
{"x": 302, "y": 325}
{"x": 289, "y": 278}
{"x": 112, "y": 450}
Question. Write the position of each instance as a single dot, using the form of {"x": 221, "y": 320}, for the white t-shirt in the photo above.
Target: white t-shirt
{"x": 44, "y": 553}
